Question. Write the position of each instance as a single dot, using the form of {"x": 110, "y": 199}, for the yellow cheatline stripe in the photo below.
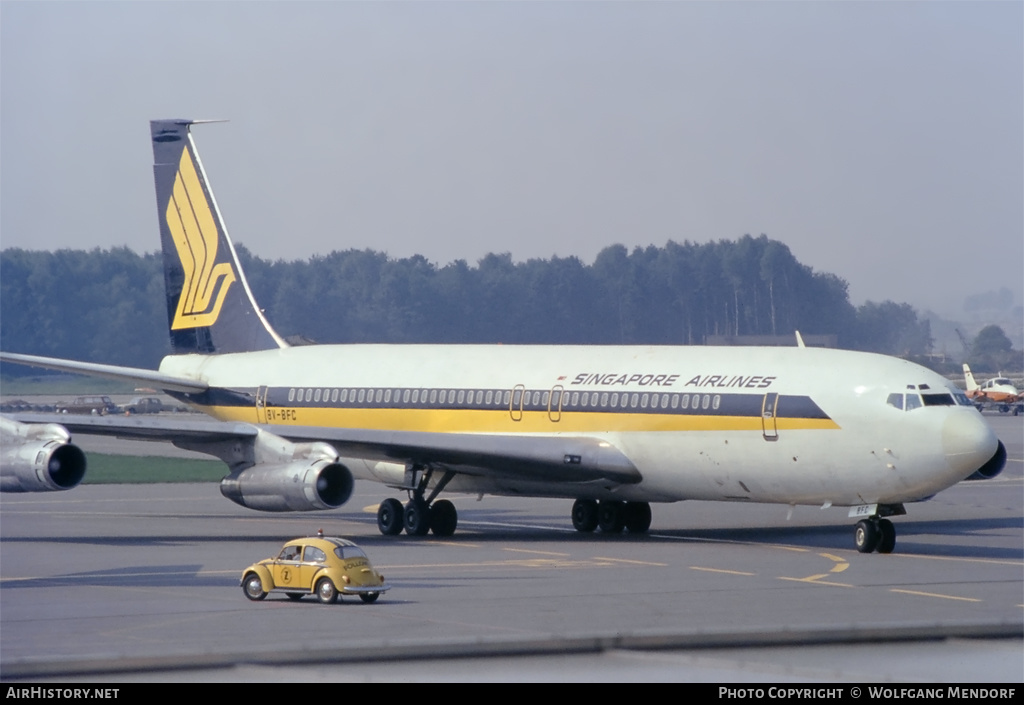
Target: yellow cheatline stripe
{"x": 499, "y": 421}
{"x": 720, "y": 570}
{"x": 935, "y": 594}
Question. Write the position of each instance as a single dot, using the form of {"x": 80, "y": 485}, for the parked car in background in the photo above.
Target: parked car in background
{"x": 96, "y": 404}
{"x": 143, "y": 405}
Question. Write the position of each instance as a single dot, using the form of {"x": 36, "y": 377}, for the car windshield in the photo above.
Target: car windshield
{"x": 349, "y": 552}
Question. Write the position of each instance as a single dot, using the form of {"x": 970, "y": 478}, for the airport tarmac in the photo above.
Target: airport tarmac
{"x": 140, "y": 582}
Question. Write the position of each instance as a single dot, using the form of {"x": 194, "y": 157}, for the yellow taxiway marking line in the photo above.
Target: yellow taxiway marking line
{"x": 626, "y": 560}
{"x": 451, "y": 543}
{"x": 842, "y": 563}
{"x": 935, "y": 594}
{"x": 539, "y": 553}
{"x": 816, "y": 580}
{"x": 990, "y": 561}
{"x": 720, "y": 570}
{"x": 525, "y": 562}
{"x": 119, "y": 575}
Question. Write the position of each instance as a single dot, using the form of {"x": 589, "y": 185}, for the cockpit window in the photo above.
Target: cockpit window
{"x": 910, "y": 401}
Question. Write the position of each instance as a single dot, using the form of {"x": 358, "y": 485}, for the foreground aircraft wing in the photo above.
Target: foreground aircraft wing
{"x": 551, "y": 458}
{"x": 93, "y": 369}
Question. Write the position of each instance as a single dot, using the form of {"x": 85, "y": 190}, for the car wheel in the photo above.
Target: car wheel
{"x": 326, "y": 592}
{"x": 369, "y": 597}
{"x": 252, "y": 586}
{"x": 295, "y": 596}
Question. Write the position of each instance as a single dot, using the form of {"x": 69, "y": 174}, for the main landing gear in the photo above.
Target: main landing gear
{"x": 611, "y": 516}
{"x": 877, "y": 533}
{"x": 421, "y": 514}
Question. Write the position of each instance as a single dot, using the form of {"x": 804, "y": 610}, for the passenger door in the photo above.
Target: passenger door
{"x": 769, "y": 414}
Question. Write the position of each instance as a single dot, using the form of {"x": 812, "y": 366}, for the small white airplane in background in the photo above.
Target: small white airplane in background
{"x": 614, "y": 428}
{"x": 998, "y": 392}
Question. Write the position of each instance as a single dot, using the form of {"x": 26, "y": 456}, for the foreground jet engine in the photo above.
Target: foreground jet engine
{"x": 272, "y": 474}
{"x": 38, "y": 458}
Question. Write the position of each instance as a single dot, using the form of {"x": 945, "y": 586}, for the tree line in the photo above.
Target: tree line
{"x": 110, "y": 306}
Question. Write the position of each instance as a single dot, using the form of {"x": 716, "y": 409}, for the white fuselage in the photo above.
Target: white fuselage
{"x": 784, "y": 425}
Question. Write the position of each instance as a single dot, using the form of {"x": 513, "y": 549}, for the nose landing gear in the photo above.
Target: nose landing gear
{"x": 876, "y": 533}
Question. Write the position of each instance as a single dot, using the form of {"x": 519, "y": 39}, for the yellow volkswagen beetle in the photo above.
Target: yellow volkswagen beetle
{"x": 320, "y": 565}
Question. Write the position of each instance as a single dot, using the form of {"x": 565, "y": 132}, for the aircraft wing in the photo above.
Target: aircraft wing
{"x": 137, "y": 428}
{"x": 130, "y": 374}
{"x": 549, "y": 458}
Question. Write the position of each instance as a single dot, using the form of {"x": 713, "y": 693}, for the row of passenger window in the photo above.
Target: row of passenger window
{"x": 515, "y": 399}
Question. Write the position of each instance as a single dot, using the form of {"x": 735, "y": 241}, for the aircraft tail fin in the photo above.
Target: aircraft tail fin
{"x": 210, "y": 308}
{"x": 969, "y": 379}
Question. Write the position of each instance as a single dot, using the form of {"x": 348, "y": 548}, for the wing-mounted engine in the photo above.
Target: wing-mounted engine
{"x": 272, "y": 474}
{"x": 38, "y": 458}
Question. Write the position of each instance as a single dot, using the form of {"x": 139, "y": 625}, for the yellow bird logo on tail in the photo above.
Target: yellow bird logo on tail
{"x": 195, "y": 235}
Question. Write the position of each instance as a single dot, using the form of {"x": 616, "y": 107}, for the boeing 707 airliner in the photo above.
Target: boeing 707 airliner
{"x": 613, "y": 428}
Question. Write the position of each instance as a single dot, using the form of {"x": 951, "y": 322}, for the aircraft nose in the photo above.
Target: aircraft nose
{"x": 969, "y": 444}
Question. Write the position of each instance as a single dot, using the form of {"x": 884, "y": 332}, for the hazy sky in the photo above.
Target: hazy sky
{"x": 883, "y": 142}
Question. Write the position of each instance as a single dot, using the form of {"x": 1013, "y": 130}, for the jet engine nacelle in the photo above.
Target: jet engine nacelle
{"x": 993, "y": 467}
{"x": 273, "y": 474}
{"x": 38, "y": 458}
{"x": 297, "y": 487}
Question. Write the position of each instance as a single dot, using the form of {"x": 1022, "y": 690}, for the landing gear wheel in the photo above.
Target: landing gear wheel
{"x": 866, "y": 536}
{"x": 295, "y": 596}
{"x": 326, "y": 592}
{"x": 887, "y": 536}
{"x": 390, "y": 517}
{"x": 417, "y": 517}
{"x": 369, "y": 597}
{"x": 637, "y": 517}
{"x": 611, "y": 517}
{"x": 252, "y": 586}
{"x": 443, "y": 520}
{"x": 584, "y": 515}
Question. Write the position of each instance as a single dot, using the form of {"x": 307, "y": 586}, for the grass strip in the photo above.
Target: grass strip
{"x": 103, "y": 469}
